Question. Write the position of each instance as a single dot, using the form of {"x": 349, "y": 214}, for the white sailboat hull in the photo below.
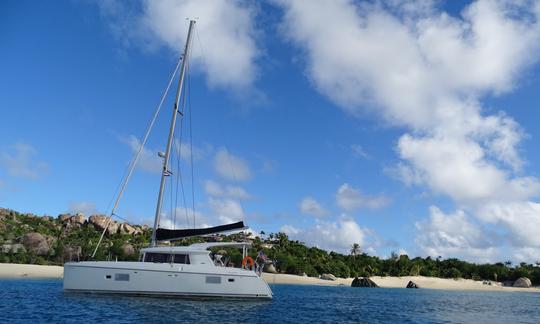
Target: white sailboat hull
{"x": 163, "y": 279}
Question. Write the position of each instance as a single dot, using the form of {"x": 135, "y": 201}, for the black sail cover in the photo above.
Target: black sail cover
{"x": 163, "y": 234}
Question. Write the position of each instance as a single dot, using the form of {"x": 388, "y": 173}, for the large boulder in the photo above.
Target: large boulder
{"x": 128, "y": 249}
{"x": 72, "y": 253}
{"x": 412, "y": 284}
{"x": 522, "y": 282}
{"x": 78, "y": 219}
{"x": 37, "y": 243}
{"x": 328, "y": 276}
{"x": 46, "y": 218}
{"x": 125, "y": 228}
{"x": 270, "y": 268}
{"x": 62, "y": 218}
{"x": 363, "y": 282}
{"x": 100, "y": 221}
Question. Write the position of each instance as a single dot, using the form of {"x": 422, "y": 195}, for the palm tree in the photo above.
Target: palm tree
{"x": 355, "y": 249}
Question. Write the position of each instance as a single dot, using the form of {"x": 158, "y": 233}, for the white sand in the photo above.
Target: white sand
{"x": 397, "y": 282}
{"x": 13, "y": 271}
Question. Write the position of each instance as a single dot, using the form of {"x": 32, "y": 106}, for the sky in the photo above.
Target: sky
{"x": 402, "y": 126}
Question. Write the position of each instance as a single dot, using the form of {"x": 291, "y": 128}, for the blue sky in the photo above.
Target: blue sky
{"x": 400, "y": 126}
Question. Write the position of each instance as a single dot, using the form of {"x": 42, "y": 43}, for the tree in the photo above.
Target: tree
{"x": 355, "y": 249}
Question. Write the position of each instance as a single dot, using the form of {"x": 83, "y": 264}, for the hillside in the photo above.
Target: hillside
{"x": 27, "y": 238}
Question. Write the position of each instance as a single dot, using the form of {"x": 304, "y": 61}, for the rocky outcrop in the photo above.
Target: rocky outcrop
{"x": 125, "y": 228}
{"x": 100, "y": 221}
{"x": 72, "y": 253}
{"x": 363, "y": 282}
{"x": 37, "y": 243}
{"x": 270, "y": 268}
{"x": 328, "y": 276}
{"x": 62, "y": 218}
{"x": 78, "y": 219}
{"x": 7, "y": 214}
{"x": 522, "y": 282}
{"x": 128, "y": 249}
{"x": 412, "y": 284}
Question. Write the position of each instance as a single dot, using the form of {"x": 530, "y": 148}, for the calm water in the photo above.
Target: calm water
{"x": 44, "y": 301}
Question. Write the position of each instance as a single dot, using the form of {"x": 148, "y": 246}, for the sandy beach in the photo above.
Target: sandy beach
{"x": 31, "y": 271}
{"x": 397, "y": 282}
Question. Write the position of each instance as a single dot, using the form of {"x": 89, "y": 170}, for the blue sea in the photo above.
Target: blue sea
{"x": 38, "y": 301}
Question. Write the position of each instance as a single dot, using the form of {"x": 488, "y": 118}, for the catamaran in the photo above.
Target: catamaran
{"x": 169, "y": 270}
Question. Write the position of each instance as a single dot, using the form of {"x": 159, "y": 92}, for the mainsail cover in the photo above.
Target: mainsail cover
{"x": 163, "y": 234}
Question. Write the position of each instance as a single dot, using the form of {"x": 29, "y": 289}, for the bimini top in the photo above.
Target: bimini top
{"x": 163, "y": 234}
{"x": 197, "y": 247}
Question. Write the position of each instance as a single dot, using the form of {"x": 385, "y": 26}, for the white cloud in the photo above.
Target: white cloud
{"x": 184, "y": 219}
{"x": 215, "y": 189}
{"x": 226, "y": 29}
{"x": 333, "y": 236}
{"x": 310, "y": 206}
{"x": 226, "y": 210}
{"x": 231, "y": 167}
{"x": 424, "y": 70}
{"x": 350, "y": 198}
{"x": 84, "y": 207}
{"x": 19, "y": 161}
{"x": 453, "y": 235}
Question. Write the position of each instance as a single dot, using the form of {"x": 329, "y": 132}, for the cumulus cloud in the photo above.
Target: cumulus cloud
{"x": 453, "y": 235}
{"x": 215, "y": 189}
{"x": 226, "y": 210}
{"x": 230, "y": 166}
{"x": 426, "y": 71}
{"x": 312, "y": 207}
{"x": 19, "y": 161}
{"x": 183, "y": 217}
{"x": 224, "y": 48}
{"x": 335, "y": 236}
{"x": 349, "y": 198}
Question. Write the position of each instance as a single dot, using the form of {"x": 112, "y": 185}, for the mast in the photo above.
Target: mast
{"x": 165, "y": 172}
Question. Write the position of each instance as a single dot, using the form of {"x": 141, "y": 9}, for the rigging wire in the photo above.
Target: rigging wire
{"x": 135, "y": 158}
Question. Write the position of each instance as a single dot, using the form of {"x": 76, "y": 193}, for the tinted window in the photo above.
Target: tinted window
{"x": 213, "y": 280}
{"x": 181, "y": 258}
{"x": 121, "y": 277}
{"x": 156, "y": 257}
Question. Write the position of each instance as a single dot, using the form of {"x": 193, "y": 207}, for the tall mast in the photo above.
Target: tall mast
{"x": 165, "y": 171}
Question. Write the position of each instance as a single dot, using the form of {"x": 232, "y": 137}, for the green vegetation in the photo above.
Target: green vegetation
{"x": 68, "y": 241}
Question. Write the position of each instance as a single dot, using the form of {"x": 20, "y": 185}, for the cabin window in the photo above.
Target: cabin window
{"x": 231, "y": 280}
{"x": 156, "y": 257}
{"x": 213, "y": 280}
{"x": 121, "y": 277}
{"x": 108, "y": 277}
{"x": 181, "y": 258}
{"x": 166, "y": 258}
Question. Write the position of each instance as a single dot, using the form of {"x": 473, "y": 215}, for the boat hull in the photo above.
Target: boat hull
{"x": 163, "y": 279}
